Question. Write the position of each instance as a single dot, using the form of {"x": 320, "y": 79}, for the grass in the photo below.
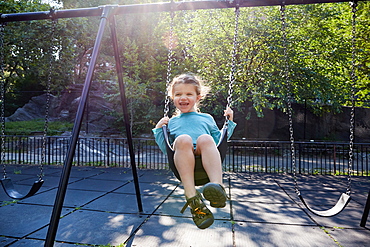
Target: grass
{"x": 36, "y": 126}
{"x": 353, "y": 173}
{"x": 17, "y": 171}
{"x": 5, "y": 203}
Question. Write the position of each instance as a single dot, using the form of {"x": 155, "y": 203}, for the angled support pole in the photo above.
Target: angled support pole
{"x": 366, "y": 211}
{"x": 59, "y": 200}
{"x": 112, "y": 22}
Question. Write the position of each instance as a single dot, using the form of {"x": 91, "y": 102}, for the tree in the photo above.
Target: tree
{"x": 363, "y": 53}
{"x": 321, "y": 57}
{"x": 26, "y": 54}
{"x": 318, "y": 41}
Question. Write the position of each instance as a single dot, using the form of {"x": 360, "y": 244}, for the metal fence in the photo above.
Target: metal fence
{"x": 311, "y": 157}
{"x": 242, "y": 156}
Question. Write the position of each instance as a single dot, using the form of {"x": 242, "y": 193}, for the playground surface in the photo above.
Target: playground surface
{"x": 100, "y": 209}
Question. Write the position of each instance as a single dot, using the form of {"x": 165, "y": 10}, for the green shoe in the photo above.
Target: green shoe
{"x": 202, "y": 217}
{"x": 215, "y": 193}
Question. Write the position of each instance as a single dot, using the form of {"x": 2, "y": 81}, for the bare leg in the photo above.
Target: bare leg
{"x": 185, "y": 162}
{"x": 211, "y": 159}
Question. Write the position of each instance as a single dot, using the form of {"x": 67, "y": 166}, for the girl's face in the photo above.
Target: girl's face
{"x": 185, "y": 97}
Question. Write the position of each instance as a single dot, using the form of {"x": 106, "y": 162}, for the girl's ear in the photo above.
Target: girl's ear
{"x": 199, "y": 97}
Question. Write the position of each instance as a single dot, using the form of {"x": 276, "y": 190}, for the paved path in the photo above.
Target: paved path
{"x": 100, "y": 209}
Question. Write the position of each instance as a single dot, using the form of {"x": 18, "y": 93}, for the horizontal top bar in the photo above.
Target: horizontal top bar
{"x": 151, "y": 7}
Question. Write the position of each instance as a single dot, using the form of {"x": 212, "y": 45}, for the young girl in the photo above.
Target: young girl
{"x": 195, "y": 133}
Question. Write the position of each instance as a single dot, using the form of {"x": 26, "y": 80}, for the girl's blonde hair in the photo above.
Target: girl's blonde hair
{"x": 192, "y": 79}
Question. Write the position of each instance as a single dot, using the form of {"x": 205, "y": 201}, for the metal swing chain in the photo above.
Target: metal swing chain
{"x": 233, "y": 59}
{"x": 353, "y": 81}
{"x": 188, "y": 19}
{"x": 2, "y": 99}
{"x": 289, "y": 97}
{"x": 47, "y": 106}
{"x": 169, "y": 66}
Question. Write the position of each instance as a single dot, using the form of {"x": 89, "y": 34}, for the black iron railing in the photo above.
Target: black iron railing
{"x": 311, "y": 157}
{"x": 242, "y": 156}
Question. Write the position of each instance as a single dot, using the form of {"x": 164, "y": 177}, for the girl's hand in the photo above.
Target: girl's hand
{"x": 163, "y": 121}
{"x": 229, "y": 113}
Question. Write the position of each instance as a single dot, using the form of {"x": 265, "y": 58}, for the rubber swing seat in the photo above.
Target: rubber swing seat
{"x": 338, "y": 207}
{"x": 8, "y": 187}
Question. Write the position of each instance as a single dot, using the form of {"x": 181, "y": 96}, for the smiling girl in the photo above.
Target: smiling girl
{"x": 195, "y": 133}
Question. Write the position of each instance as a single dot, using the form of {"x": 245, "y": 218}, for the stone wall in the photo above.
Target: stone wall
{"x": 307, "y": 126}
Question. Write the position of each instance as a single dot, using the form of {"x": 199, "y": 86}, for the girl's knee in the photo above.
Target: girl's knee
{"x": 205, "y": 139}
{"x": 183, "y": 141}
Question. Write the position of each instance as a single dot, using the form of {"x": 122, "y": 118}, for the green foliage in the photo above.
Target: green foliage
{"x": 36, "y": 126}
{"x": 363, "y": 51}
{"x": 28, "y": 51}
{"x": 319, "y": 56}
{"x": 143, "y": 70}
{"x": 25, "y": 53}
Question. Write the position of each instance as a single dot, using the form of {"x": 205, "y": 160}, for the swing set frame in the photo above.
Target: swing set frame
{"x": 107, "y": 15}
{"x": 152, "y": 7}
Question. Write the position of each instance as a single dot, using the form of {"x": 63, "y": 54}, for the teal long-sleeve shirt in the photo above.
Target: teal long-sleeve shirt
{"x": 193, "y": 124}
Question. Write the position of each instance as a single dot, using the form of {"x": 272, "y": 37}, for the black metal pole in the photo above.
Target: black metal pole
{"x": 59, "y": 200}
{"x": 153, "y": 7}
{"x": 366, "y": 211}
{"x": 122, "y": 90}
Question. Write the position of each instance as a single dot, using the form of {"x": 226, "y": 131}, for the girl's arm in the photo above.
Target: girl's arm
{"x": 230, "y": 129}
{"x": 158, "y": 134}
{"x": 159, "y": 139}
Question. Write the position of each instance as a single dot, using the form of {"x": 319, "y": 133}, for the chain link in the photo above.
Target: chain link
{"x": 48, "y": 96}
{"x": 233, "y": 65}
{"x": 233, "y": 58}
{"x": 289, "y": 97}
{"x": 2, "y": 98}
{"x": 353, "y": 93}
{"x": 188, "y": 20}
{"x": 169, "y": 66}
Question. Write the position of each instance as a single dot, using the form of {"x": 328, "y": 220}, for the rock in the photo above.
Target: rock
{"x": 64, "y": 108}
{"x": 34, "y": 109}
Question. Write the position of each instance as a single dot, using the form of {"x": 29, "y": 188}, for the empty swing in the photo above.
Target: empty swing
{"x": 200, "y": 175}
{"x": 6, "y": 182}
{"x": 345, "y": 197}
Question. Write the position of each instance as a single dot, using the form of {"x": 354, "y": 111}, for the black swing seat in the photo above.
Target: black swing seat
{"x": 12, "y": 193}
{"x": 200, "y": 175}
{"x": 338, "y": 207}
